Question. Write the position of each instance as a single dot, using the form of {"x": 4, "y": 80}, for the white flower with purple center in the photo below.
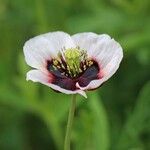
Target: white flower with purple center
{"x": 72, "y": 64}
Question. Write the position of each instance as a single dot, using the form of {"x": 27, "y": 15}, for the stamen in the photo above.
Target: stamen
{"x": 71, "y": 62}
{"x": 73, "y": 57}
{"x": 55, "y": 62}
{"x": 55, "y": 67}
{"x": 84, "y": 67}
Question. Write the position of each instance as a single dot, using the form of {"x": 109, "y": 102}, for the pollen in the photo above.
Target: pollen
{"x": 55, "y": 62}
{"x": 71, "y": 62}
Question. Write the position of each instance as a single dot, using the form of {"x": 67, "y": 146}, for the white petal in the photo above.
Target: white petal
{"x": 108, "y": 71}
{"x": 109, "y": 50}
{"x": 106, "y": 51}
{"x": 39, "y": 76}
{"x": 44, "y": 47}
{"x": 101, "y": 47}
{"x": 91, "y": 42}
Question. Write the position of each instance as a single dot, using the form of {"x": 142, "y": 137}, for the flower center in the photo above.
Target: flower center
{"x": 70, "y": 62}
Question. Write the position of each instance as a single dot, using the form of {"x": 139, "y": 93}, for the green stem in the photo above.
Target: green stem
{"x": 69, "y": 124}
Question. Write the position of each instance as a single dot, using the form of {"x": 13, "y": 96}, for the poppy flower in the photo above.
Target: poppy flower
{"x": 72, "y": 64}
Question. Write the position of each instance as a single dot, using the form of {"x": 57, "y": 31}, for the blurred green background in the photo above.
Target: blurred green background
{"x": 114, "y": 117}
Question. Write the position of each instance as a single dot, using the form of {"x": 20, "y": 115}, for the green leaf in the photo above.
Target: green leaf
{"x": 138, "y": 123}
{"x": 10, "y": 97}
{"x": 100, "y": 124}
{"x": 91, "y": 125}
